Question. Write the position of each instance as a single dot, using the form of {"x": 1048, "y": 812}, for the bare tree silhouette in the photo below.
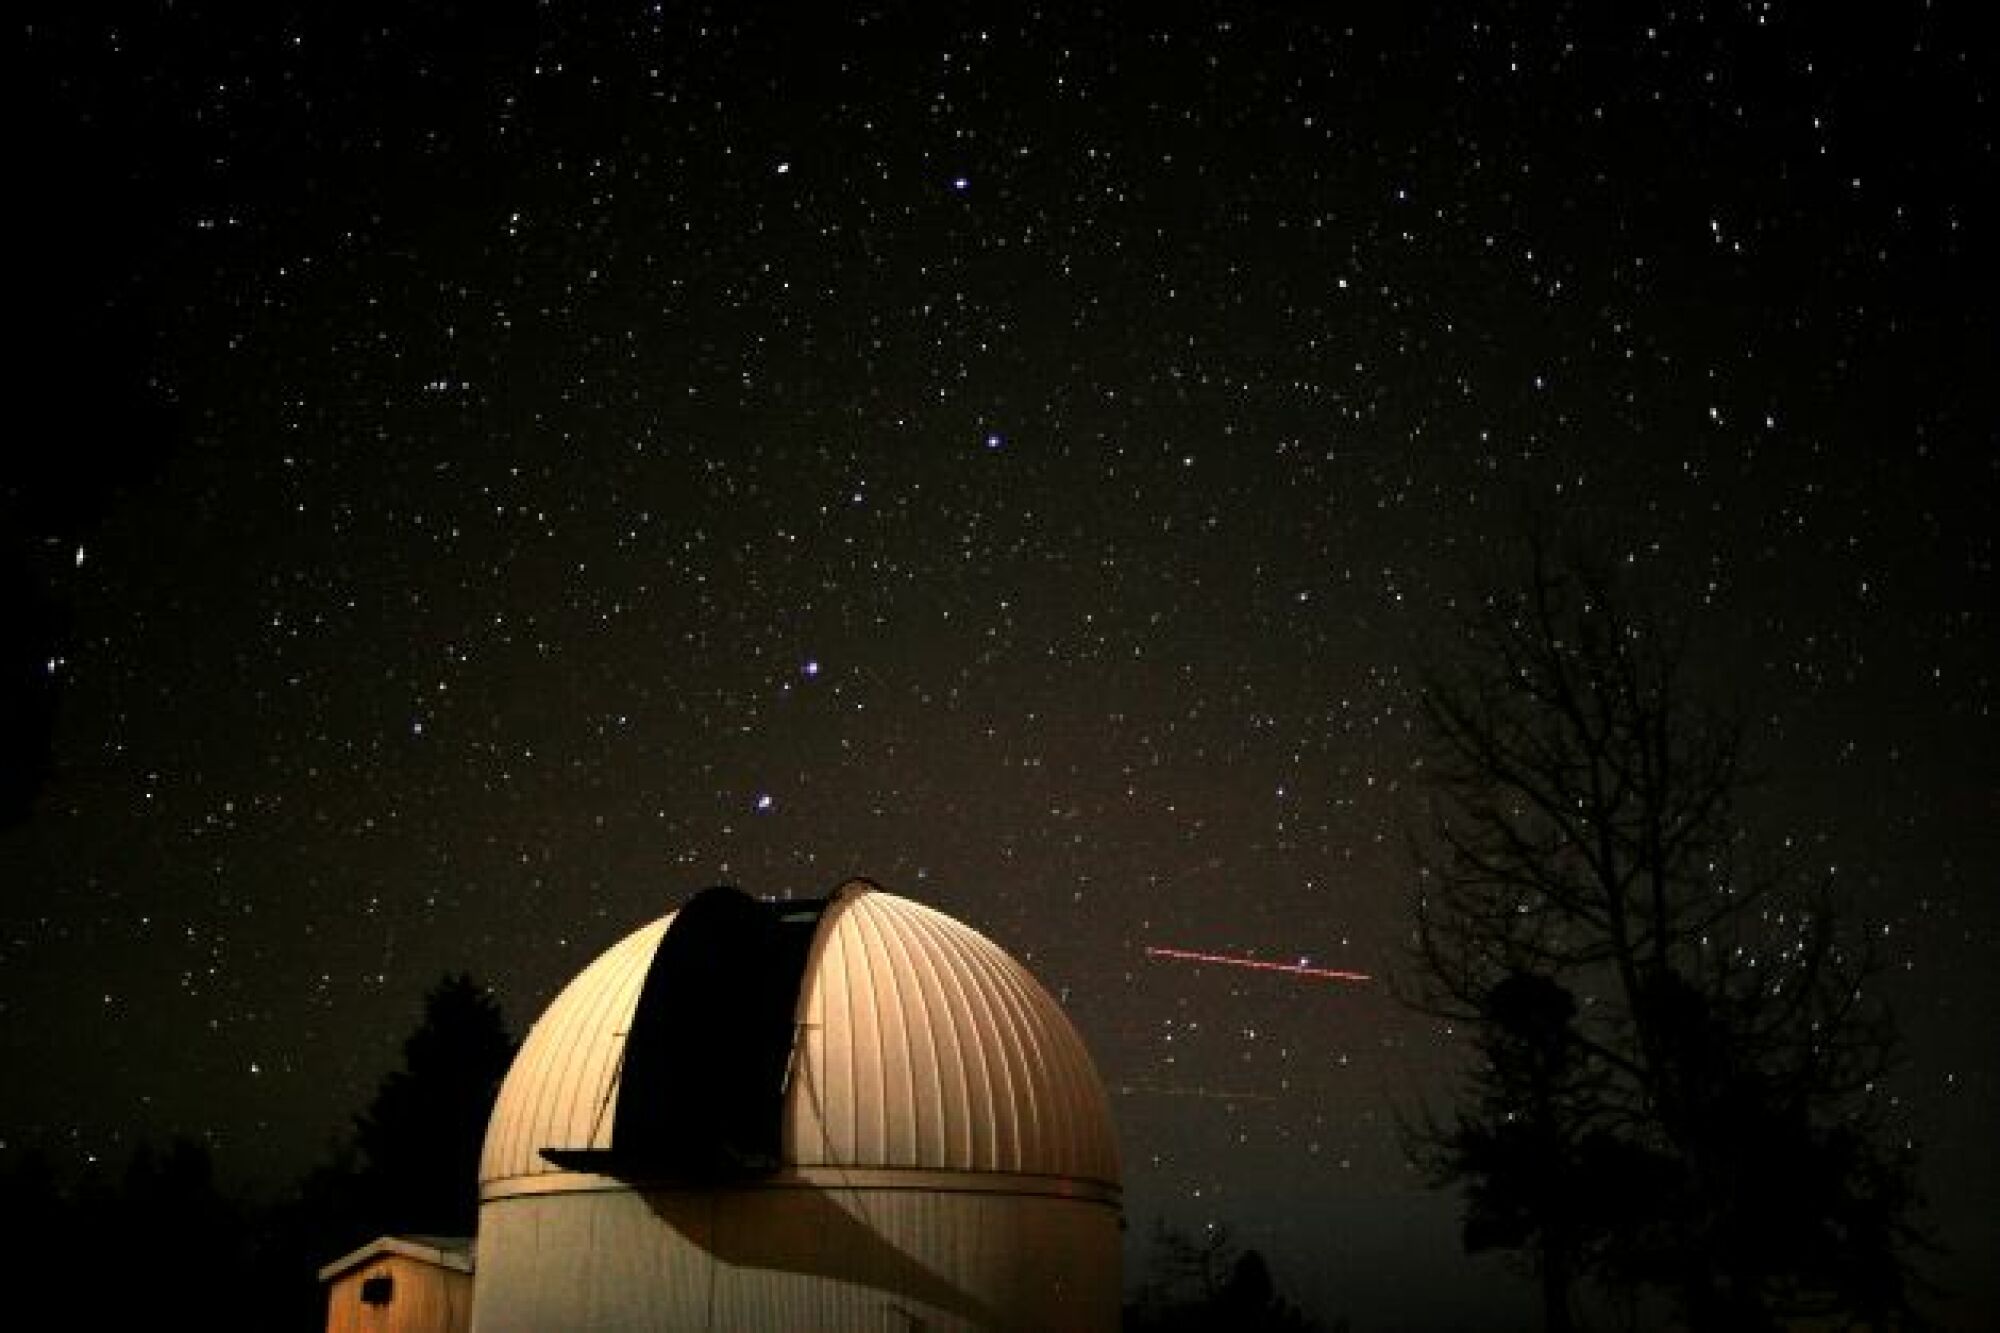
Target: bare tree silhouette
{"x": 1675, "y": 1046}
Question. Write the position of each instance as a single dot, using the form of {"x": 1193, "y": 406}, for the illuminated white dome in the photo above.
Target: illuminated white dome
{"x": 863, "y": 1053}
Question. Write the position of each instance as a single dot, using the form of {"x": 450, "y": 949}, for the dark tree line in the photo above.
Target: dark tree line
{"x": 119, "y": 1248}
{"x": 1209, "y": 1285}
{"x": 1675, "y": 1043}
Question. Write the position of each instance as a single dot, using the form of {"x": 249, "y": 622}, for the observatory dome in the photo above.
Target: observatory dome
{"x": 817, "y": 1113}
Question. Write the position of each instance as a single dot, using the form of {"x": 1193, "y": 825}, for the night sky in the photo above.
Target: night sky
{"x": 485, "y": 472}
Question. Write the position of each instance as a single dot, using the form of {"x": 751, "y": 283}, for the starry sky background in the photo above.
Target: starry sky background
{"x": 483, "y": 473}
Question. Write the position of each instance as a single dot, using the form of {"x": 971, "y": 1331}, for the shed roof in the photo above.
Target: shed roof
{"x": 453, "y": 1252}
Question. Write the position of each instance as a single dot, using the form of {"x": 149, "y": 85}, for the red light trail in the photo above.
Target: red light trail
{"x": 1257, "y": 964}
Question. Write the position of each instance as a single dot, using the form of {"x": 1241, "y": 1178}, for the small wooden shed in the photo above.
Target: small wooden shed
{"x": 401, "y": 1284}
